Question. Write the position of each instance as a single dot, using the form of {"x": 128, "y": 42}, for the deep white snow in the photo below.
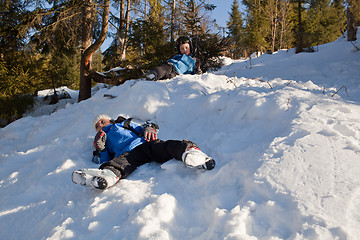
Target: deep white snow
{"x": 287, "y": 152}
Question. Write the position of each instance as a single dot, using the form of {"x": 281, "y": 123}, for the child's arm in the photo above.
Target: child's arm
{"x": 128, "y": 124}
{"x": 101, "y": 157}
{"x": 198, "y": 66}
{"x": 148, "y": 130}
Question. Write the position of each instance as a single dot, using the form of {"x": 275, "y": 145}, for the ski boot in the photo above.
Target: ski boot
{"x": 151, "y": 75}
{"x": 97, "y": 178}
{"x": 195, "y": 158}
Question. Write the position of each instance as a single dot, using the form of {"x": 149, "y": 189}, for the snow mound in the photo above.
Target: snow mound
{"x": 285, "y": 141}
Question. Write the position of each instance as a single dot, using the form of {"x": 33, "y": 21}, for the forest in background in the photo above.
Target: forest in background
{"x": 45, "y": 44}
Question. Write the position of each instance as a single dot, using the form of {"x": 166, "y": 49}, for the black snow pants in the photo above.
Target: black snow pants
{"x": 154, "y": 151}
{"x": 165, "y": 71}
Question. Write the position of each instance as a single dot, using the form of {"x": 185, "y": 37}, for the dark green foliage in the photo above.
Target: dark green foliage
{"x": 324, "y": 22}
{"x": 16, "y": 84}
{"x": 12, "y": 27}
{"x": 236, "y": 31}
{"x": 354, "y": 7}
{"x": 276, "y": 24}
{"x": 15, "y": 80}
{"x": 147, "y": 43}
{"x": 208, "y": 49}
{"x": 12, "y": 108}
{"x": 111, "y": 56}
{"x": 192, "y": 18}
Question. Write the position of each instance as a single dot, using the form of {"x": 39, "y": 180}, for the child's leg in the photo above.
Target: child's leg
{"x": 162, "y": 151}
{"x": 184, "y": 150}
{"x": 163, "y": 71}
{"x": 159, "y": 151}
{"x": 110, "y": 172}
{"x": 126, "y": 163}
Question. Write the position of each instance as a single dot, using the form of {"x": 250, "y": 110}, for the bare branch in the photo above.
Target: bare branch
{"x": 288, "y": 105}
{"x": 339, "y": 90}
{"x": 265, "y": 82}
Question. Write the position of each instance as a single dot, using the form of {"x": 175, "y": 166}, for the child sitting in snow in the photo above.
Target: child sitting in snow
{"x": 122, "y": 146}
{"x": 183, "y": 63}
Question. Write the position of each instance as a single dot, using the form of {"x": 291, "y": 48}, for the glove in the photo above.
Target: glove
{"x": 99, "y": 141}
{"x": 96, "y": 157}
{"x": 150, "y": 133}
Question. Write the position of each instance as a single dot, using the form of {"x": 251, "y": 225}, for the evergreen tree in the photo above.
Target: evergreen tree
{"x": 209, "y": 48}
{"x": 192, "y": 19}
{"x": 11, "y": 28}
{"x": 353, "y": 18}
{"x": 354, "y": 7}
{"x": 325, "y": 21}
{"x": 147, "y": 36}
{"x": 236, "y": 31}
{"x": 256, "y": 27}
{"x": 15, "y": 78}
{"x": 299, "y": 31}
{"x": 53, "y": 46}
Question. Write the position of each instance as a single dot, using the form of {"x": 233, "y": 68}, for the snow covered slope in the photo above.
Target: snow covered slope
{"x": 287, "y": 151}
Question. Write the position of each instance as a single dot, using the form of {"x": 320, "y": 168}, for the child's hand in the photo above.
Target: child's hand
{"x": 150, "y": 134}
{"x": 99, "y": 141}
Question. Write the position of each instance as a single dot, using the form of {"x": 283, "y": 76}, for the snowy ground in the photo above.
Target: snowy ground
{"x": 287, "y": 151}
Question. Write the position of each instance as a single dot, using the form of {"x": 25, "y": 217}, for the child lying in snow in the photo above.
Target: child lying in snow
{"x": 183, "y": 63}
{"x": 122, "y": 146}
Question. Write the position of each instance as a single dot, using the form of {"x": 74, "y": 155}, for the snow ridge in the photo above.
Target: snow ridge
{"x": 287, "y": 152}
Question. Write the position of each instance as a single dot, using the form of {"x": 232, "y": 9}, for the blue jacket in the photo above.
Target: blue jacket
{"x": 183, "y": 64}
{"x": 120, "y": 140}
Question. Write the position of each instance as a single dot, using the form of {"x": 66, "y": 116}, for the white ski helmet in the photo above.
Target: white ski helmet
{"x": 98, "y": 117}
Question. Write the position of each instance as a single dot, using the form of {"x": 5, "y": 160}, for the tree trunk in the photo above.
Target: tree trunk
{"x": 284, "y": 9}
{"x": 351, "y": 26}
{"x": 274, "y": 19}
{"x": 300, "y": 40}
{"x": 87, "y": 23}
{"x": 121, "y": 31}
{"x": 123, "y": 34}
{"x": 172, "y": 27}
{"x": 88, "y": 48}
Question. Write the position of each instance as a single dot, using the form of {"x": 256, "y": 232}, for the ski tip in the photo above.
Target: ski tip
{"x": 209, "y": 165}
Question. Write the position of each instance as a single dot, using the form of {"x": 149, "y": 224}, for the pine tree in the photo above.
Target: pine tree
{"x": 299, "y": 31}
{"x": 354, "y": 7}
{"x": 325, "y": 21}
{"x": 192, "y": 18}
{"x": 236, "y": 31}
{"x": 353, "y": 18}
{"x": 15, "y": 68}
{"x": 11, "y": 18}
{"x": 256, "y": 28}
{"x": 147, "y": 36}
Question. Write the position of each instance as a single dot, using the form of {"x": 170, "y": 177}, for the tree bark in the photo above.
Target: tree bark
{"x": 300, "y": 40}
{"x": 124, "y": 29}
{"x": 351, "y": 26}
{"x": 88, "y": 48}
{"x": 172, "y": 27}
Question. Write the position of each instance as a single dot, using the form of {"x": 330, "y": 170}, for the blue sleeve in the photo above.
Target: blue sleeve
{"x": 183, "y": 64}
{"x": 129, "y": 125}
{"x": 104, "y": 157}
{"x": 136, "y": 128}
